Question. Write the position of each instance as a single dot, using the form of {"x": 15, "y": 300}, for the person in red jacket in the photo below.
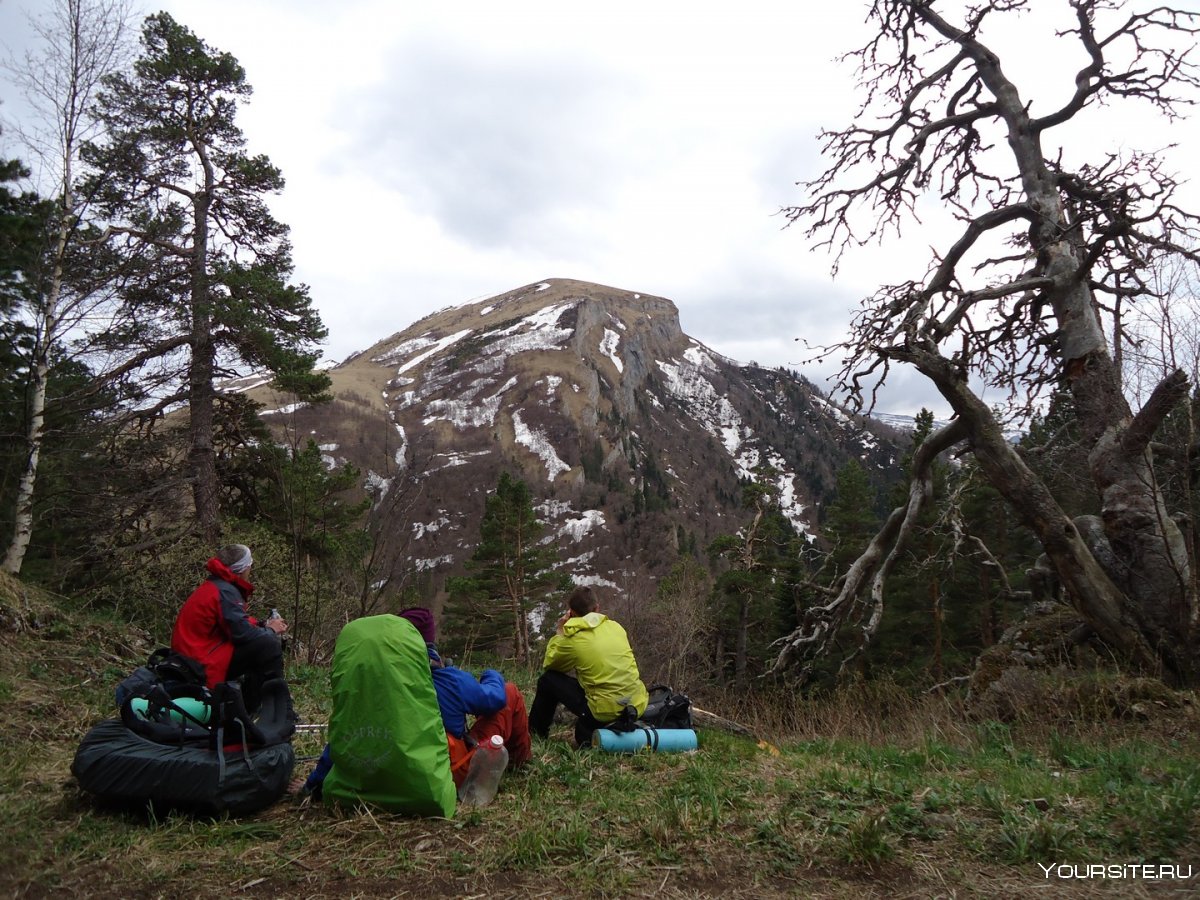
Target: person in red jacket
{"x": 214, "y": 628}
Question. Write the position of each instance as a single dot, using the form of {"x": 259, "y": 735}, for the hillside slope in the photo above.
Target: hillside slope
{"x": 872, "y": 794}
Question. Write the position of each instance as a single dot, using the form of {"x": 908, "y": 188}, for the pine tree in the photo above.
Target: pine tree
{"x": 307, "y": 502}
{"x": 758, "y": 557}
{"x": 851, "y": 518}
{"x": 911, "y": 631}
{"x": 206, "y": 265}
{"x": 511, "y": 574}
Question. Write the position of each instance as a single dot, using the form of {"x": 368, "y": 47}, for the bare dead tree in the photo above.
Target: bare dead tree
{"x": 859, "y": 601}
{"x": 385, "y": 569}
{"x": 1019, "y": 299}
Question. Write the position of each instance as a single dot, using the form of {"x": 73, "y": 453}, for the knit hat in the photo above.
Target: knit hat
{"x": 423, "y": 620}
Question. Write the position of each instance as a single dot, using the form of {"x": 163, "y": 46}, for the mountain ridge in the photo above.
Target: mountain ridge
{"x": 634, "y": 437}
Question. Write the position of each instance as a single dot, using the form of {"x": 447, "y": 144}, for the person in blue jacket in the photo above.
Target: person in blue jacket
{"x": 497, "y": 705}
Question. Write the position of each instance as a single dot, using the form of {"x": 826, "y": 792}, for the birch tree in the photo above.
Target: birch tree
{"x": 79, "y": 43}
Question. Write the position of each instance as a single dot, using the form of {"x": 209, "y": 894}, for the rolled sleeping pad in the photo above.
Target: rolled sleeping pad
{"x": 198, "y": 709}
{"x": 664, "y": 740}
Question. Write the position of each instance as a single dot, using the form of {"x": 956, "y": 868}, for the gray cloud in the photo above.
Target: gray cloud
{"x": 774, "y": 317}
{"x": 497, "y": 150}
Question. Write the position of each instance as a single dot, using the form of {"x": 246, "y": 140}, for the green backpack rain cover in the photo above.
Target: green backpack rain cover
{"x": 386, "y": 737}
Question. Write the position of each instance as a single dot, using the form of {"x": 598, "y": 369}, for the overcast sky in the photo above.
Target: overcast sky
{"x": 438, "y": 153}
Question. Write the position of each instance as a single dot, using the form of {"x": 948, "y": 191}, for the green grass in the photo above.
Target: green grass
{"x": 920, "y": 803}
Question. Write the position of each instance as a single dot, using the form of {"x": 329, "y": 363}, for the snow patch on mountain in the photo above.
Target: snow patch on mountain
{"x": 440, "y": 345}
{"x": 247, "y": 383}
{"x": 464, "y": 414}
{"x": 553, "y": 509}
{"x": 401, "y": 457}
{"x": 576, "y": 528}
{"x": 592, "y": 581}
{"x": 609, "y": 345}
{"x": 535, "y": 332}
{"x": 717, "y": 415}
{"x": 536, "y": 440}
{"x": 283, "y": 410}
{"x": 377, "y": 485}
{"x": 420, "y": 529}
{"x": 452, "y": 459}
{"x": 699, "y": 357}
{"x": 424, "y": 565}
{"x": 686, "y": 382}
{"x": 838, "y": 414}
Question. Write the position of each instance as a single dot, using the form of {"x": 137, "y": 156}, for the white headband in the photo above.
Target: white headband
{"x": 242, "y": 564}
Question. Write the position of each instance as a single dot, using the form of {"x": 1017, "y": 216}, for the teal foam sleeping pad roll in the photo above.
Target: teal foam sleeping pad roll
{"x": 664, "y": 740}
{"x": 197, "y": 709}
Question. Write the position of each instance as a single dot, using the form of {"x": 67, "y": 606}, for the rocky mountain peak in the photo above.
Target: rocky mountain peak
{"x": 635, "y": 437}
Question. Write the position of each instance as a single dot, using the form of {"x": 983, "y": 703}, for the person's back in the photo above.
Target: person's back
{"x": 597, "y": 648}
{"x": 496, "y": 704}
{"x": 215, "y": 629}
{"x": 392, "y": 664}
{"x": 606, "y": 685}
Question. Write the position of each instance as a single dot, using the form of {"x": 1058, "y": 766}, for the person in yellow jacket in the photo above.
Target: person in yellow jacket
{"x": 606, "y": 685}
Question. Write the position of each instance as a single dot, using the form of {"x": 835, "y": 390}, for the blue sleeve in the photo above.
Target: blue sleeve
{"x": 490, "y": 696}
{"x": 483, "y": 696}
{"x": 460, "y": 694}
{"x": 317, "y": 778}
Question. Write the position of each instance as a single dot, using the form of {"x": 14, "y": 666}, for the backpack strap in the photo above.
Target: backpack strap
{"x": 276, "y": 717}
{"x": 138, "y": 683}
{"x": 627, "y": 721}
{"x": 230, "y": 713}
{"x": 276, "y": 723}
{"x": 651, "y": 737}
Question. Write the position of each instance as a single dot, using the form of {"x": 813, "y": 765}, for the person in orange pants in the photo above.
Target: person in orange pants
{"x": 498, "y": 705}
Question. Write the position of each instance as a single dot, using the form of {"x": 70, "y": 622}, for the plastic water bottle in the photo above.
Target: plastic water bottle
{"x": 483, "y": 775}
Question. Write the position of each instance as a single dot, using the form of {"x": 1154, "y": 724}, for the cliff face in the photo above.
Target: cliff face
{"x": 632, "y": 435}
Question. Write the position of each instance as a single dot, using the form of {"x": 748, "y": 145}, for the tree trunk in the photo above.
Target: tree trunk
{"x": 40, "y": 377}
{"x": 739, "y": 661}
{"x": 202, "y": 459}
{"x": 719, "y": 658}
{"x": 1088, "y": 585}
{"x": 23, "y": 526}
{"x": 935, "y": 602}
{"x": 84, "y": 42}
